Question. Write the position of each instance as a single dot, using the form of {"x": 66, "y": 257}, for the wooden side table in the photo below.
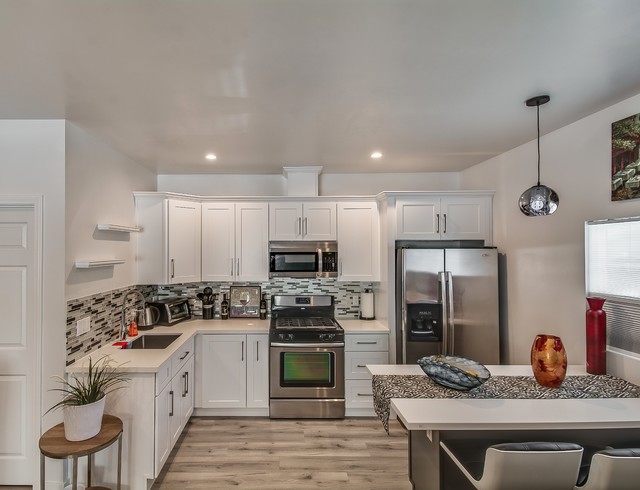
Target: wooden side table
{"x": 54, "y": 445}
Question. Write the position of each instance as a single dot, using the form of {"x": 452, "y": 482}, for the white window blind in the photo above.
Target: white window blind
{"x": 613, "y": 257}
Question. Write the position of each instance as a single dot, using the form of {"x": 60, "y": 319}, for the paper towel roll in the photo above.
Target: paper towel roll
{"x": 366, "y": 305}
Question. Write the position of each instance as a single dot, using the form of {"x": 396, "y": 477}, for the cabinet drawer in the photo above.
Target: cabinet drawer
{"x": 367, "y": 342}
{"x": 179, "y": 358}
{"x": 358, "y": 393}
{"x": 355, "y": 362}
{"x": 163, "y": 376}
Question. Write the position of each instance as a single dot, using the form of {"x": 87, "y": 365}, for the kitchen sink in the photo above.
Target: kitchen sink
{"x": 161, "y": 341}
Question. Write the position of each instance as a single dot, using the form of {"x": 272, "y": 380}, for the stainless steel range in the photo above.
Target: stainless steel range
{"x": 306, "y": 361}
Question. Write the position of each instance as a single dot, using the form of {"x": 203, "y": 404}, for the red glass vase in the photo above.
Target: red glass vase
{"x": 596, "y": 337}
{"x": 548, "y": 360}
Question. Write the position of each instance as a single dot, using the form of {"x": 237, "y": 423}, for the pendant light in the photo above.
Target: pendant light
{"x": 538, "y": 200}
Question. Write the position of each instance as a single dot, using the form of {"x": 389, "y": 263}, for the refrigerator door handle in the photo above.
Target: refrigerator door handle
{"x": 450, "y": 316}
{"x": 403, "y": 323}
{"x": 442, "y": 280}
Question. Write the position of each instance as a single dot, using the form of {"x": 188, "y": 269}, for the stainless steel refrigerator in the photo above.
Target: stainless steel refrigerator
{"x": 447, "y": 303}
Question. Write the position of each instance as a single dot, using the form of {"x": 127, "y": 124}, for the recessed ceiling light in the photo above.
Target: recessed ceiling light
{"x": 376, "y": 155}
{"x": 210, "y": 156}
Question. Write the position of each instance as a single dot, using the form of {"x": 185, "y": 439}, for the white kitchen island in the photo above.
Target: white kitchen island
{"x": 586, "y": 421}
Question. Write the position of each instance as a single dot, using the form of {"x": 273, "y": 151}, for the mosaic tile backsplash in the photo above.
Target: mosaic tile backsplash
{"x": 105, "y": 308}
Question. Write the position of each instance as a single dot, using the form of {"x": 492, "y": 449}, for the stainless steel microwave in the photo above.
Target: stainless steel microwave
{"x": 303, "y": 259}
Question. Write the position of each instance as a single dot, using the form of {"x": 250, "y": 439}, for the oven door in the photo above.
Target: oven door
{"x": 306, "y": 371}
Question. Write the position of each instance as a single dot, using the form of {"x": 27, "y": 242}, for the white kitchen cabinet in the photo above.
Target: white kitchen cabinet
{"x": 174, "y": 401}
{"x": 232, "y": 372}
{"x": 170, "y": 240}
{"x": 358, "y": 241}
{"x": 258, "y": 371}
{"x": 453, "y": 217}
{"x": 362, "y": 349}
{"x": 235, "y": 241}
{"x": 307, "y": 220}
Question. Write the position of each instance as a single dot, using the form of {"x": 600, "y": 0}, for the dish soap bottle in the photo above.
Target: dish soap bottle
{"x": 224, "y": 308}
{"x": 263, "y": 307}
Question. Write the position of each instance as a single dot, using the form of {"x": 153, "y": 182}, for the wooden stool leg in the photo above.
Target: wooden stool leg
{"x": 119, "y": 459}
{"x": 41, "y": 471}
{"x": 74, "y": 481}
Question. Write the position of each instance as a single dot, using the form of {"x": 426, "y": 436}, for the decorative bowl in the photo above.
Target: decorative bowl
{"x": 454, "y": 372}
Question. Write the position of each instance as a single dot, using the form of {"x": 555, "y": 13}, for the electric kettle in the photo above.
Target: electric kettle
{"x": 146, "y": 317}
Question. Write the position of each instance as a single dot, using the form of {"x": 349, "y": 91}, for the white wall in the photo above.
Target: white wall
{"x": 328, "y": 184}
{"x": 99, "y": 184}
{"x": 545, "y": 255}
{"x": 32, "y": 159}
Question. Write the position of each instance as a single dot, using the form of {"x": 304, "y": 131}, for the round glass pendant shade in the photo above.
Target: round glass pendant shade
{"x": 538, "y": 200}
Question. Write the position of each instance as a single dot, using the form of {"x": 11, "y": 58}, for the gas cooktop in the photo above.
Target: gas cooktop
{"x": 304, "y": 318}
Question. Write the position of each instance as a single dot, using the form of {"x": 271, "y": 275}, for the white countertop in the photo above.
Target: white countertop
{"x": 512, "y": 414}
{"x": 150, "y": 360}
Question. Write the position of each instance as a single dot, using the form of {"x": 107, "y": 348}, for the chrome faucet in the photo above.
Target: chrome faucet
{"x": 123, "y": 323}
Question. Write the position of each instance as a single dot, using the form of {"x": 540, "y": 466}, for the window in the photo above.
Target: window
{"x": 612, "y": 256}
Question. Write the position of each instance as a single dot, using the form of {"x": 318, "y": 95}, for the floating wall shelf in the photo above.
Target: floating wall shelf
{"x": 92, "y": 264}
{"x": 120, "y": 228}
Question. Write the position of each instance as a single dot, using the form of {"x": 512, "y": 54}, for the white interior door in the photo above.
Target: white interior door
{"x": 20, "y": 277}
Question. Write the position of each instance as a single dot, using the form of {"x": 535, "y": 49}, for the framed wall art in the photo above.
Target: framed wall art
{"x": 244, "y": 301}
{"x": 625, "y": 158}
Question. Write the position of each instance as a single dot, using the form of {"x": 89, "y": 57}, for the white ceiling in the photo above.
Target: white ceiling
{"x": 436, "y": 85}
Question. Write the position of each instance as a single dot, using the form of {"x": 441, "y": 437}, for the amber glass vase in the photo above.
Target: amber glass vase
{"x": 596, "y": 336}
{"x": 548, "y": 360}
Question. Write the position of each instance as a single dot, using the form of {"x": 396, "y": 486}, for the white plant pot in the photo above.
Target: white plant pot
{"x": 82, "y": 422}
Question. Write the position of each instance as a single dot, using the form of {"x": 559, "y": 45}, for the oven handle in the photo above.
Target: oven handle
{"x": 294, "y": 345}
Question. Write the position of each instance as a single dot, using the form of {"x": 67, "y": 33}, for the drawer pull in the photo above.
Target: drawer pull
{"x": 367, "y": 343}
{"x": 365, "y": 394}
{"x": 184, "y": 355}
{"x": 171, "y": 411}
{"x": 362, "y": 365}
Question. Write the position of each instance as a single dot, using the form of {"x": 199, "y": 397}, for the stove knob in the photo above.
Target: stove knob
{"x": 290, "y": 336}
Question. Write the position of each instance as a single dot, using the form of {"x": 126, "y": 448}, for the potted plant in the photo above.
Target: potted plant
{"x": 84, "y": 398}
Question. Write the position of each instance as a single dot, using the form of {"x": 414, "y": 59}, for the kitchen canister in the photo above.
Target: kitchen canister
{"x": 366, "y": 305}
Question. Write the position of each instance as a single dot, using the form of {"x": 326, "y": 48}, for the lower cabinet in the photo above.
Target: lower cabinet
{"x": 174, "y": 403}
{"x": 232, "y": 372}
{"x": 362, "y": 349}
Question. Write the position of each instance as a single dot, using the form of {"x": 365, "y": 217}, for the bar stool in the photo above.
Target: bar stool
{"x": 54, "y": 445}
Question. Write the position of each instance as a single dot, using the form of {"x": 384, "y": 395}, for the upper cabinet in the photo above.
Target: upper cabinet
{"x": 358, "y": 241}
{"x": 445, "y": 217}
{"x": 169, "y": 245}
{"x": 235, "y": 241}
{"x": 308, "y": 220}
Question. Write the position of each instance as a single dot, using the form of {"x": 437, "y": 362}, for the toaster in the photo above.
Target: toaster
{"x": 173, "y": 309}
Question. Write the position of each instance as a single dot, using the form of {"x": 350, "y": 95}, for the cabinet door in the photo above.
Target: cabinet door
{"x": 285, "y": 221}
{"x": 218, "y": 241}
{"x": 221, "y": 371}
{"x": 187, "y": 391}
{"x": 257, "y": 371}
{"x": 175, "y": 418}
{"x": 319, "y": 221}
{"x": 183, "y": 232}
{"x": 252, "y": 241}
{"x": 418, "y": 219}
{"x": 466, "y": 218}
{"x": 358, "y": 242}
{"x": 163, "y": 437}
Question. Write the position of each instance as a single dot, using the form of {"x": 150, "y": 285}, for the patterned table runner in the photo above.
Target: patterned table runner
{"x": 386, "y": 387}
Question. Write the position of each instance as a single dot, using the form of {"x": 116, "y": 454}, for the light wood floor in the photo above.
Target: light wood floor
{"x": 265, "y": 454}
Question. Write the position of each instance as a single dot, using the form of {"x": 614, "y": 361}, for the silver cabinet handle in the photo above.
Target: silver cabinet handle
{"x": 184, "y": 385}
{"x": 242, "y": 350}
{"x": 171, "y": 411}
{"x": 362, "y": 365}
{"x": 173, "y": 268}
{"x": 237, "y": 267}
{"x": 365, "y": 394}
{"x": 186, "y": 382}
{"x": 367, "y": 343}
{"x": 437, "y": 223}
{"x": 257, "y": 351}
{"x": 306, "y": 230}
{"x": 340, "y": 260}
{"x": 231, "y": 262}
{"x": 445, "y": 223}
{"x": 299, "y": 226}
